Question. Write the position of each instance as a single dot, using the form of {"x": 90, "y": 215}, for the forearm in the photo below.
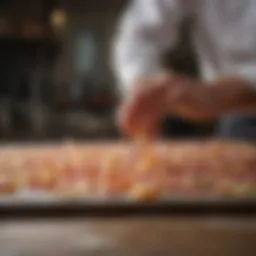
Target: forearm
{"x": 234, "y": 95}
{"x": 202, "y": 101}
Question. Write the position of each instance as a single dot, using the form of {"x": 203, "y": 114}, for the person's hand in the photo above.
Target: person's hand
{"x": 195, "y": 100}
{"x": 140, "y": 115}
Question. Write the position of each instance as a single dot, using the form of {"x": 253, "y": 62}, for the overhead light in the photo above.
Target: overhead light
{"x": 58, "y": 19}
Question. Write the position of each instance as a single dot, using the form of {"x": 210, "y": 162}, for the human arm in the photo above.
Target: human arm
{"x": 202, "y": 101}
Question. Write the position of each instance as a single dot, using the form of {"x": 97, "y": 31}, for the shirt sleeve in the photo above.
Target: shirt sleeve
{"x": 145, "y": 30}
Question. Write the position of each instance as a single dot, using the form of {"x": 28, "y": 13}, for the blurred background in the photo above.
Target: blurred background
{"x": 55, "y": 73}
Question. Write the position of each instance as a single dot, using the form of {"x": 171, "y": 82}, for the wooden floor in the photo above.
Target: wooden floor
{"x": 137, "y": 236}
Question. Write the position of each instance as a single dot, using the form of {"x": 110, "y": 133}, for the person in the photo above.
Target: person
{"x": 224, "y": 38}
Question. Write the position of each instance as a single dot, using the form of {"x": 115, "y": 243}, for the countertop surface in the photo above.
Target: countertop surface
{"x": 129, "y": 236}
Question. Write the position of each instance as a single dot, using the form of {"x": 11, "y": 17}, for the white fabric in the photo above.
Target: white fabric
{"x": 224, "y": 33}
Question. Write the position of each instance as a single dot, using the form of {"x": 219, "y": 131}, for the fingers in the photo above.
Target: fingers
{"x": 140, "y": 114}
{"x": 137, "y": 123}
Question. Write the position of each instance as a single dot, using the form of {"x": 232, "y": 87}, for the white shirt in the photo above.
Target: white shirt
{"x": 224, "y": 36}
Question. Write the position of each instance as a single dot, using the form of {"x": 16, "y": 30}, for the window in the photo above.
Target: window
{"x": 86, "y": 53}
